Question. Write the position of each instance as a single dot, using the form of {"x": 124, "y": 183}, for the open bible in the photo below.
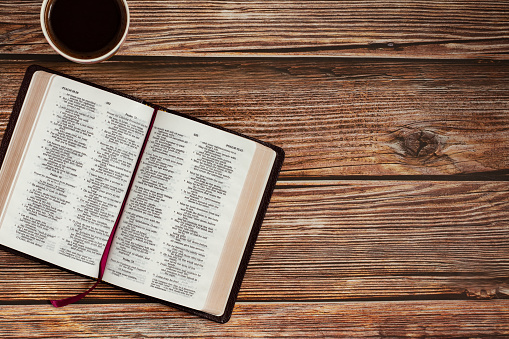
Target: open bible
{"x": 181, "y": 200}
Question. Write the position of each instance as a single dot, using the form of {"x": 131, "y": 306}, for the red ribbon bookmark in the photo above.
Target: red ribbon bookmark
{"x": 73, "y": 299}
{"x": 104, "y": 258}
{"x": 102, "y": 267}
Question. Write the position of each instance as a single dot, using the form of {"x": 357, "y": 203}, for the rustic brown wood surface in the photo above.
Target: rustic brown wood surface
{"x": 409, "y": 29}
{"x": 332, "y": 117}
{"x": 391, "y": 215}
{"x": 295, "y": 320}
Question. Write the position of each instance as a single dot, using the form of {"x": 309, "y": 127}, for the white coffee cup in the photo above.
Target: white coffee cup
{"x": 76, "y": 29}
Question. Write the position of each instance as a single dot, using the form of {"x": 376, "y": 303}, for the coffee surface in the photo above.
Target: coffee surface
{"x": 86, "y": 26}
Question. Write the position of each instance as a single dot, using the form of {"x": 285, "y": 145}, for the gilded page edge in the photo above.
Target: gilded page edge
{"x": 240, "y": 229}
{"x": 22, "y": 135}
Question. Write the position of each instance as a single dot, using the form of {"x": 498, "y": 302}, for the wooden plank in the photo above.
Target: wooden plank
{"x": 295, "y": 320}
{"x": 384, "y": 239}
{"x": 417, "y": 29}
{"x": 333, "y": 117}
{"x": 348, "y": 240}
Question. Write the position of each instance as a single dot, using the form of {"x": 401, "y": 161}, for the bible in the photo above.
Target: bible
{"x": 127, "y": 192}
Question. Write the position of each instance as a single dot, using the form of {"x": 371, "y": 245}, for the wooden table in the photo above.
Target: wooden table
{"x": 391, "y": 215}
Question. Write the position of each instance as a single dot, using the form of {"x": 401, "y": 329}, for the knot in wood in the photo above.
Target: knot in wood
{"x": 420, "y": 143}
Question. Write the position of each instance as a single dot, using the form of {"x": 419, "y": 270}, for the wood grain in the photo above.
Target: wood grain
{"x": 333, "y": 117}
{"x": 295, "y": 320}
{"x": 396, "y": 29}
{"x": 348, "y": 240}
{"x": 391, "y": 218}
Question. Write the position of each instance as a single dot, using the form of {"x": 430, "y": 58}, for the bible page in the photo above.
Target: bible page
{"x": 179, "y": 210}
{"x": 70, "y": 172}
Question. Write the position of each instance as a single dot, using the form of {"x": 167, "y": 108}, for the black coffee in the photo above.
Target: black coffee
{"x": 86, "y": 28}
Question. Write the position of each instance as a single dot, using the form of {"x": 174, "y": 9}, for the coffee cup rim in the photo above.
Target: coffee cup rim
{"x": 103, "y": 57}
